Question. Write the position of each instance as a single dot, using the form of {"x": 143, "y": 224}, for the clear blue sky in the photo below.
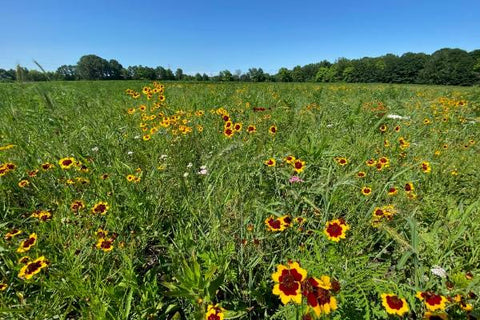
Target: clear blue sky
{"x": 210, "y": 36}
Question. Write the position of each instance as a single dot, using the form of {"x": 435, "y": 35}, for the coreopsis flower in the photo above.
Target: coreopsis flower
{"x": 371, "y": 162}
{"x": 274, "y": 224}
{"x": 383, "y": 128}
{"x": 12, "y": 233}
{"x": 393, "y": 304}
{"x": 32, "y": 268}
{"x": 47, "y": 166}
{"x": 251, "y": 129}
{"x": 298, "y": 165}
{"x": 409, "y": 187}
{"x": 341, "y": 161}
{"x": 366, "y": 191}
{"x": 77, "y": 205}
{"x": 66, "y": 163}
{"x": 361, "y": 174}
{"x": 289, "y": 159}
{"x": 270, "y": 162}
{"x": 426, "y": 168}
{"x": 318, "y": 293}
{"x": 28, "y": 243}
{"x": 272, "y": 130}
{"x": 288, "y": 282}
{"x": 23, "y": 183}
{"x": 286, "y": 220}
{"x": 214, "y": 312}
{"x": 3, "y": 286}
{"x": 237, "y": 127}
{"x": 384, "y": 161}
{"x": 105, "y": 244}
{"x": 228, "y": 132}
{"x": 392, "y": 191}
{"x": 432, "y": 301}
{"x": 42, "y": 215}
{"x": 100, "y": 207}
{"x": 336, "y": 229}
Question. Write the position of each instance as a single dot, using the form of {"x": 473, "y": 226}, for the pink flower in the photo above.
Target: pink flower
{"x": 295, "y": 179}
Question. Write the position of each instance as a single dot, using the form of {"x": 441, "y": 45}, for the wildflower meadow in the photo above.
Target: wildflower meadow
{"x": 175, "y": 200}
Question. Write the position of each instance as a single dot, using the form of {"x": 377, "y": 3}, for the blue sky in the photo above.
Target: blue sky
{"x": 210, "y": 36}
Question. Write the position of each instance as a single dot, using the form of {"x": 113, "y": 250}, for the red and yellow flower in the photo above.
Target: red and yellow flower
{"x": 28, "y": 243}
{"x": 272, "y": 130}
{"x": 3, "y": 286}
{"x": 298, "y": 165}
{"x": 32, "y": 268}
{"x": 12, "y": 233}
{"x": 435, "y": 316}
{"x": 318, "y": 293}
{"x": 426, "y": 168}
{"x": 66, "y": 163}
{"x": 394, "y": 304}
{"x": 336, "y": 229}
{"x": 432, "y": 300}
{"x": 341, "y": 161}
{"x": 270, "y": 162}
{"x": 366, "y": 191}
{"x": 100, "y": 207}
{"x": 215, "y": 312}
{"x": 288, "y": 282}
{"x": 275, "y": 224}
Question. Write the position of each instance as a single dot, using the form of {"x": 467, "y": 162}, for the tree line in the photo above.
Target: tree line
{"x": 446, "y": 67}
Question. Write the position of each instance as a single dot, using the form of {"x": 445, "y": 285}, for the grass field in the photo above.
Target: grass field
{"x": 245, "y": 201}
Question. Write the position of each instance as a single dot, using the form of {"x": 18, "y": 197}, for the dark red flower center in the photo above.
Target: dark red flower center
{"x": 100, "y": 208}
{"x": 32, "y": 267}
{"x": 274, "y": 223}
{"x": 290, "y": 282}
{"x": 298, "y": 165}
{"x": 29, "y": 242}
{"x": 334, "y": 230}
{"x": 432, "y": 299}
{"x": 394, "y": 302}
{"x": 67, "y": 162}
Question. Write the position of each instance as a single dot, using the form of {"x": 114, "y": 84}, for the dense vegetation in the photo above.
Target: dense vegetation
{"x": 127, "y": 200}
{"x": 445, "y": 66}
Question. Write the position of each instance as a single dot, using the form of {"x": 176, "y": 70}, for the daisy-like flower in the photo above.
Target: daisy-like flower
{"x": 336, "y": 229}
{"x": 105, "y": 244}
{"x": 47, "y": 166}
{"x": 383, "y": 128}
{"x": 32, "y": 268}
{"x": 28, "y": 243}
{"x": 270, "y": 162}
{"x": 100, "y": 207}
{"x": 237, "y": 127}
{"x": 251, "y": 129}
{"x": 371, "y": 162}
{"x": 3, "y": 286}
{"x": 286, "y": 220}
{"x": 42, "y": 215}
{"x": 318, "y": 295}
{"x": 426, "y": 168}
{"x": 409, "y": 187}
{"x": 146, "y": 137}
{"x": 272, "y": 130}
{"x": 384, "y": 161}
{"x": 361, "y": 174}
{"x": 274, "y": 224}
{"x": 12, "y": 233}
{"x": 298, "y": 165}
{"x": 130, "y": 177}
{"x": 392, "y": 191}
{"x": 77, "y": 205}
{"x": 289, "y": 159}
{"x": 214, "y": 312}
{"x": 66, "y": 163}
{"x": 288, "y": 282}
{"x": 393, "y": 304}
{"x": 366, "y": 191}
{"x": 341, "y": 161}
{"x": 432, "y": 301}
{"x": 23, "y": 183}
{"x": 228, "y": 132}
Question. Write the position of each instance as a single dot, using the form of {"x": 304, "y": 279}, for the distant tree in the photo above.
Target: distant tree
{"x": 7, "y": 75}
{"x": 92, "y": 67}
{"x": 409, "y": 67}
{"x": 169, "y": 74}
{"x": 114, "y": 70}
{"x": 297, "y": 74}
{"x": 284, "y": 75}
{"x": 179, "y": 74}
{"x": 225, "y": 75}
{"x": 66, "y": 72}
{"x": 161, "y": 73}
{"x": 198, "y": 77}
{"x": 237, "y": 74}
{"x": 21, "y": 73}
{"x": 449, "y": 66}
{"x": 205, "y": 77}
{"x": 256, "y": 75}
{"x": 141, "y": 73}
{"x": 35, "y": 75}
{"x": 326, "y": 74}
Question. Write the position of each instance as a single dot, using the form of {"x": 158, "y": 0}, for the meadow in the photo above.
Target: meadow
{"x": 136, "y": 200}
